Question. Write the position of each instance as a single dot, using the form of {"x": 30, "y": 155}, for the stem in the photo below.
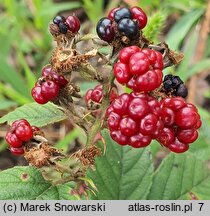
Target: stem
{"x": 105, "y": 103}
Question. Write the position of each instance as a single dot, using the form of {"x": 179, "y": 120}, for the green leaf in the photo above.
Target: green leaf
{"x": 155, "y": 25}
{"x": 9, "y": 75}
{"x": 181, "y": 28}
{"x": 27, "y": 183}
{"x": 197, "y": 68}
{"x": 123, "y": 173}
{"x": 39, "y": 115}
{"x": 5, "y": 104}
{"x": 177, "y": 176}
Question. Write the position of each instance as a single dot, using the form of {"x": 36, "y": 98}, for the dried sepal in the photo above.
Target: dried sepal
{"x": 42, "y": 155}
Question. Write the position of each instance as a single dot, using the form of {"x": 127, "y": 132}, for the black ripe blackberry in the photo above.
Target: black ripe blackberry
{"x": 175, "y": 86}
{"x": 121, "y": 14}
{"x": 128, "y": 27}
{"x": 59, "y": 19}
{"x": 182, "y": 91}
{"x": 63, "y": 28}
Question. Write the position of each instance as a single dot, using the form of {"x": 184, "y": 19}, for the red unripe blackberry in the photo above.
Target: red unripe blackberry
{"x": 24, "y": 132}
{"x": 36, "y": 93}
{"x": 139, "y": 140}
{"x": 187, "y": 136}
{"x": 17, "y": 151}
{"x": 118, "y": 137}
{"x": 73, "y": 24}
{"x": 178, "y": 147}
{"x": 136, "y": 118}
{"x": 49, "y": 90}
{"x": 167, "y": 136}
{"x": 139, "y": 15}
{"x": 121, "y": 72}
{"x": 127, "y": 52}
{"x": 111, "y": 13}
{"x": 13, "y": 140}
{"x": 140, "y": 70}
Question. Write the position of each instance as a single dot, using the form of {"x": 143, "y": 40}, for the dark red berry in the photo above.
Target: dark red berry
{"x": 139, "y": 140}
{"x": 46, "y": 71}
{"x": 121, "y": 104}
{"x": 105, "y": 30}
{"x": 17, "y": 151}
{"x": 121, "y": 72}
{"x": 97, "y": 94}
{"x": 122, "y": 13}
{"x": 167, "y": 136}
{"x": 128, "y": 126}
{"x": 127, "y": 52}
{"x": 148, "y": 124}
{"x": 13, "y": 140}
{"x": 24, "y": 132}
{"x": 178, "y": 147}
{"x": 36, "y": 93}
{"x": 49, "y": 90}
{"x": 114, "y": 120}
{"x": 186, "y": 118}
{"x": 138, "y": 108}
{"x": 111, "y": 13}
{"x": 73, "y": 24}
{"x": 187, "y": 136}
{"x": 35, "y": 129}
{"x": 88, "y": 95}
{"x": 167, "y": 116}
{"x": 139, "y": 63}
{"x": 118, "y": 137}
{"x": 140, "y": 16}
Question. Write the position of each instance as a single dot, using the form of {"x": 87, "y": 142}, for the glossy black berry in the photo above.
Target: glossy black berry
{"x": 167, "y": 84}
{"x": 182, "y": 91}
{"x": 168, "y": 77}
{"x": 58, "y": 19}
{"x": 63, "y": 28}
{"x": 128, "y": 27}
{"x": 122, "y": 13}
{"x": 176, "y": 81}
{"x": 105, "y": 30}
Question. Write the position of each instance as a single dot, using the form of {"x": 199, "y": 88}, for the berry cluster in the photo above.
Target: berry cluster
{"x": 71, "y": 23}
{"x": 93, "y": 97}
{"x": 134, "y": 119}
{"x": 122, "y": 21}
{"x": 139, "y": 69}
{"x": 181, "y": 122}
{"x": 21, "y": 131}
{"x": 175, "y": 86}
{"x": 48, "y": 86}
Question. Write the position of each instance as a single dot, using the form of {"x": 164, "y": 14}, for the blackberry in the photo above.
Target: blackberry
{"x": 129, "y": 28}
{"x": 63, "y": 28}
{"x": 105, "y": 30}
{"x": 59, "y": 19}
{"x": 121, "y": 14}
{"x": 182, "y": 91}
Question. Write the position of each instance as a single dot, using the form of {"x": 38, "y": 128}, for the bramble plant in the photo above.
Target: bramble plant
{"x": 119, "y": 126}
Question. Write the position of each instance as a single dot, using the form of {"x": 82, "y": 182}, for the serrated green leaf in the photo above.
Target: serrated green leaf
{"x": 177, "y": 176}
{"x": 123, "y": 173}
{"x": 181, "y": 28}
{"x": 39, "y": 115}
{"x": 27, "y": 183}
